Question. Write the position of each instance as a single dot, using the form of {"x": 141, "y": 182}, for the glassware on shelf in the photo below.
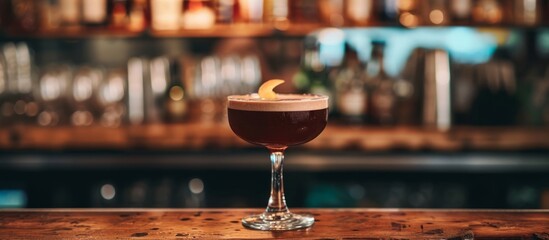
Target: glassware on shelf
{"x": 292, "y": 119}
{"x": 111, "y": 94}
{"x": 54, "y": 92}
{"x": 84, "y": 90}
{"x": 136, "y": 96}
{"x": 18, "y": 104}
{"x": 216, "y": 78}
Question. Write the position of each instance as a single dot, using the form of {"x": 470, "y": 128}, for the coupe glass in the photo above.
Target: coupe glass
{"x": 289, "y": 120}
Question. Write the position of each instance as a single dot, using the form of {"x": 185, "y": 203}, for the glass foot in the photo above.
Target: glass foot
{"x": 278, "y": 221}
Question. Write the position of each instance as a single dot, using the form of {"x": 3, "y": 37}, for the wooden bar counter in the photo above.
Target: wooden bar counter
{"x": 225, "y": 224}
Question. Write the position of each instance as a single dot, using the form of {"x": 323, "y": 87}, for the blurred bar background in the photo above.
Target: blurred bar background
{"x": 121, "y": 103}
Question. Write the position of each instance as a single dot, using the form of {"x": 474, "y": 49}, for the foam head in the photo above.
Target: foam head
{"x": 283, "y": 103}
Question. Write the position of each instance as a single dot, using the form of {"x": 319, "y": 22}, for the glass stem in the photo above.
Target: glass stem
{"x": 277, "y": 201}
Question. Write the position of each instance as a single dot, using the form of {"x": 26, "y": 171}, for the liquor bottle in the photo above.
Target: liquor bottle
{"x": 49, "y": 17}
{"x": 488, "y": 12}
{"x": 251, "y": 11}
{"x": 94, "y": 12}
{"x": 139, "y": 15}
{"x": 277, "y": 12}
{"x": 224, "y": 10}
{"x": 359, "y": 12}
{"x": 313, "y": 76}
{"x": 331, "y": 12}
{"x": 119, "y": 14}
{"x": 461, "y": 11}
{"x": 304, "y": 11}
{"x": 382, "y": 96}
{"x": 166, "y": 14}
{"x": 351, "y": 96}
{"x": 176, "y": 95}
{"x": 4, "y": 14}
{"x": 388, "y": 10}
{"x": 527, "y": 12}
{"x": 198, "y": 16}
{"x": 69, "y": 11}
{"x": 25, "y": 15}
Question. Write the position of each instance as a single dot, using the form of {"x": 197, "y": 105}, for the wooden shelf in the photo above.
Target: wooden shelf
{"x": 75, "y": 33}
{"x": 217, "y": 31}
{"x": 197, "y": 136}
{"x": 220, "y": 30}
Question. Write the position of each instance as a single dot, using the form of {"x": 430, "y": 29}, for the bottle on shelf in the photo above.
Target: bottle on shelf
{"x": 25, "y": 15}
{"x": 304, "y": 11}
{"x": 488, "y": 12}
{"x": 250, "y": 11}
{"x": 350, "y": 89}
{"x": 139, "y": 15}
{"x": 198, "y": 15}
{"x": 277, "y": 13}
{"x": 176, "y": 95}
{"x": 381, "y": 87}
{"x": 406, "y": 87}
{"x": 359, "y": 12}
{"x": 388, "y": 10}
{"x": 314, "y": 76}
{"x": 70, "y": 13}
{"x": 224, "y": 11}
{"x": 332, "y": 12}
{"x": 119, "y": 14}
{"x": 527, "y": 12}
{"x": 94, "y": 12}
{"x": 461, "y": 11}
{"x": 166, "y": 14}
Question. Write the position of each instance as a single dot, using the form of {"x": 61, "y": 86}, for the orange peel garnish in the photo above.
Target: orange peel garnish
{"x": 266, "y": 89}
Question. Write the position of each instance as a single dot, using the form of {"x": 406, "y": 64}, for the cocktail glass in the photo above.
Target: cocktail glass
{"x": 289, "y": 120}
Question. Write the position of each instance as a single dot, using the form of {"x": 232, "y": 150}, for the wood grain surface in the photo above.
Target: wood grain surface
{"x": 225, "y": 224}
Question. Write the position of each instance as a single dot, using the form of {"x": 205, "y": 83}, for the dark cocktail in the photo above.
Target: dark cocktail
{"x": 287, "y": 120}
